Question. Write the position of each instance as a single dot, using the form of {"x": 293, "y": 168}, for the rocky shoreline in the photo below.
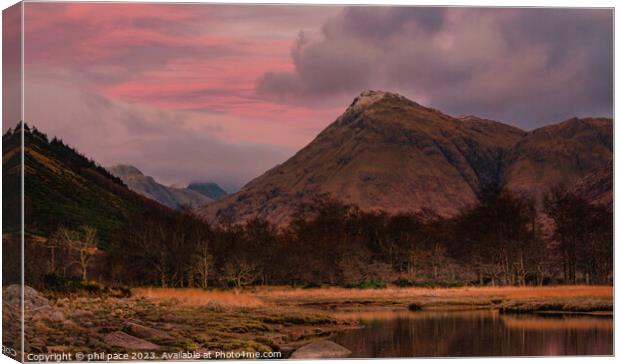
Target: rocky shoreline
{"x": 283, "y": 322}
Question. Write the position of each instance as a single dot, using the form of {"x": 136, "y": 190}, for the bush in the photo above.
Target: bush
{"x": 427, "y": 284}
{"x": 366, "y": 284}
{"x": 311, "y": 285}
{"x": 414, "y": 307}
{"x": 92, "y": 287}
{"x": 56, "y": 283}
{"x": 68, "y": 285}
{"x": 404, "y": 283}
{"x": 124, "y": 291}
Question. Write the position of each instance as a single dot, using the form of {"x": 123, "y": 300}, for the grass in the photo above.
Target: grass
{"x": 281, "y": 319}
{"x": 393, "y": 292}
{"x": 563, "y": 323}
{"x": 554, "y": 304}
{"x": 197, "y": 296}
{"x": 438, "y": 298}
{"x": 244, "y": 324}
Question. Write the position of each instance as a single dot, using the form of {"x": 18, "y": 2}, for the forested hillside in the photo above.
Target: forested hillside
{"x": 65, "y": 188}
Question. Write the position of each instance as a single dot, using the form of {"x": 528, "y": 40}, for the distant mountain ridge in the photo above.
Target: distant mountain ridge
{"x": 386, "y": 152}
{"x": 63, "y": 188}
{"x": 562, "y": 153}
{"x": 209, "y": 189}
{"x": 172, "y": 197}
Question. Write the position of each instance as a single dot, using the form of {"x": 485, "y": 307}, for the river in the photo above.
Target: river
{"x": 397, "y": 334}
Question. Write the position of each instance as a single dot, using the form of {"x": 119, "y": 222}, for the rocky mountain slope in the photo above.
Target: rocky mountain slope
{"x": 147, "y": 186}
{"x": 556, "y": 154}
{"x": 386, "y": 152}
{"x": 598, "y": 186}
{"x": 209, "y": 189}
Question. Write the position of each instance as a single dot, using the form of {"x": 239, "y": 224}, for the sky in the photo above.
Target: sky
{"x": 193, "y": 92}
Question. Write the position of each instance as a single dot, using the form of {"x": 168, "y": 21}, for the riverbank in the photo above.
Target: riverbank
{"x": 526, "y": 299}
{"x": 260, "y": 319}
{"x": 231, "y": 323}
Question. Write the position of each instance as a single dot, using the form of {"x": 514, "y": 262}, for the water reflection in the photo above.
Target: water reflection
{"x": 475, "y": 333}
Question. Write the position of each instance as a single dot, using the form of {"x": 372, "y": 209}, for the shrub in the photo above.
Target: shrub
{"x": 414, "y": 307}
{"x": 427, "y": 284}
{"x": 121, "y": 292}
{"x": 66, "y": 285}
{"x": 311, "y": 285}
{"x": 366, "y": 284}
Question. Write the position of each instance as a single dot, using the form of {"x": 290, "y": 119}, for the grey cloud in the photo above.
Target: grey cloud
{"x": 378, "y": 23}
{"x": 172, "y": 146}
{"x": 181, "y": 156}
{"x": 526, "y": 66}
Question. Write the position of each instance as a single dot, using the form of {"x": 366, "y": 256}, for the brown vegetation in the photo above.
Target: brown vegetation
{"x": 256, "y": 319}
{"x": 573, "y": 298}
{"x": 196, "y": 296}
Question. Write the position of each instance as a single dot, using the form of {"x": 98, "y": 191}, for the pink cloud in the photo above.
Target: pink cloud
{"x": 166, "y": 56}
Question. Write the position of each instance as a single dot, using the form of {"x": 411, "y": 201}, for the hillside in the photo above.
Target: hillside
{"x": 64, "y": 188}
{"x": 562, "y": 153}
{"x": 209, "y": 189}
{"x": 598, "y": 186}
{"x": 386, "y": 152}
{"x": 147, "y": 186}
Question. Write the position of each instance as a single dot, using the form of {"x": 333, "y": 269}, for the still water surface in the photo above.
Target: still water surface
{"x": 475, "y": 333}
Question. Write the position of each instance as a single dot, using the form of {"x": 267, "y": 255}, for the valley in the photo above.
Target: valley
{"x": 394, "y": 209}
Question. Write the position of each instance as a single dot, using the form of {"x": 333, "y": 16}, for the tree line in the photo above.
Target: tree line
{"x": 504, "y": 240}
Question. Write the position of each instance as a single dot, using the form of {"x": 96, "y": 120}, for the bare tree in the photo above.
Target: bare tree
{"x": 53, "y": 244}
{"x": 203, "y": 261}
{"x": 241, "y": 271}
{"x": 83, "y": 242}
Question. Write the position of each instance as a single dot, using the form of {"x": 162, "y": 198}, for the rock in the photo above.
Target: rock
{"x": 145, "y": 332}
{"x": 414, "y": 307}
{"x": 70, "y": 325}
{"x": 122, "y": 340}
{"x": 58, "y": 349}
{"x": 33, "y": 300}
{"x": 320, "y": 350}
{"x": 57, "y": 316}
{"x": 80, "y": 313}
{"x": 62, "y": 302}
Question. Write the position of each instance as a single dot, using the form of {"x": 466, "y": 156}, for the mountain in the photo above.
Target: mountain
{"x": 210, "y": 189}
{"x": 64, "y": 188}
{"x": 172, "y": 197}
{"x": 386, "y": 152}
{"x": 556, "y": 154}
{"x": 597, "y": 187}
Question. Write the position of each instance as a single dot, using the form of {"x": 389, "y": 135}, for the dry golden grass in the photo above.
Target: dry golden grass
{"x": 334, "y": 293}
{"x": 359, "y": 299}
{"x": 562, "y": 323}
{"x": 196, "y": 296}
{"x": 414, "y": 315}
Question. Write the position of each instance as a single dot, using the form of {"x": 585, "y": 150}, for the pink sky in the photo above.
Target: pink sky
{"x": 221, "y": 92}
{"x": 155, "y": 66}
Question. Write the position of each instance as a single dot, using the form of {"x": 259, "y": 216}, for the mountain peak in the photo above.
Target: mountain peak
{"x": 147, "y": 186}
{"x": 125, "y": 170}
{"x": 369, "y": 97}
{"x": 209, "y": 189}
